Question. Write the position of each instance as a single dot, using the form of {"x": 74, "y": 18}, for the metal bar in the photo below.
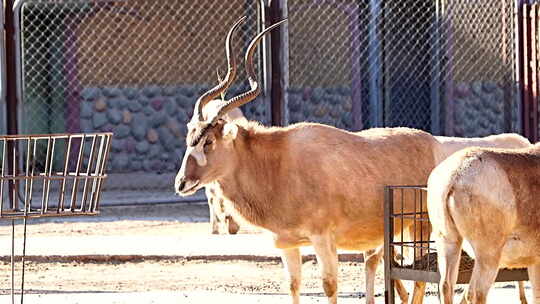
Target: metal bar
{"x": 506, "y": 82}
{"x": 22, "y": 259}
{"x": 518, "y": 59}
{"x": 374, "y": 65}
{"x": 280, "y": 62}
{"x": 44, "y": 190}
{"x": 534, "y": 49}
{"x": 48, "y": 173}
{"x": 4, "y": 151}
{"x": 421, "y": 227}
{"x": 388, "y": 251}
{"x": 401, "y": 231}
{"x": 77, "y": 170}
{"x": 435, "y": 74}
{"x": 63, "y": 184}
{"x": 91, "y": 160}
{"x": 102, "y": 172}
{"x": 11, "y": 67}
{"x": 13, "y": 261}
{"x": 27, "y": 173}
{"x": 32, "y": 174}
{"x": 414, "y": 228}
{"x": 13, "y": 184}
{"x": 97, "y": 171}
{"x": 526, "y": 73}
{"x": 36, "y": 214}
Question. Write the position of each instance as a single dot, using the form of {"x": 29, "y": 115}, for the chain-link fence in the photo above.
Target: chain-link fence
{"x": 133, "y": 67}
{"x": 136, "y": 68}
{"x": 442, "y": 66}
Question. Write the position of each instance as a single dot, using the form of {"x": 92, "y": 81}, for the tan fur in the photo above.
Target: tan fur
{"x": 306, "y": 181}
{"x": 309, "y": 180}
{"x": 489, "y": 199}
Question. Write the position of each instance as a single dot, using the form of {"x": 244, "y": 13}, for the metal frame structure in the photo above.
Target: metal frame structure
{"x": 33, "y": 168}
{"x": 424, "y": 267}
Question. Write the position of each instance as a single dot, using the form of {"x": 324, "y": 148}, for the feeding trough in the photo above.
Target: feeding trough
{"x": 405, "y": 215}
{"x": 51, "y": 175}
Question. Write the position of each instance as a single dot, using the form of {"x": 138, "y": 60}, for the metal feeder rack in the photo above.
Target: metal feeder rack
{"x": 50, "y": 175}
{"x": 405, "y": 206}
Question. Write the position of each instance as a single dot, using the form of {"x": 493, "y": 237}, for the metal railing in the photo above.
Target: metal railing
{"x": 407, "y": 236}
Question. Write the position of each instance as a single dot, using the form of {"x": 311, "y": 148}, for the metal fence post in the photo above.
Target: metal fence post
{"x": 280, "y": 62}
{"x": 10, "y": 68}
{"x": 374, "y": 59}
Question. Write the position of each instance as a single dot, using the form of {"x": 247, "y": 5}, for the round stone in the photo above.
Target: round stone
{"x": 90, "y": 94}
{"x": 130, "y": 145}
{"x": 115, "y": 116}
{"x": 142, "y": 147}
{"x": 147, "y": 165}
{"x": 158, "y": 119}
{"x": 165, "y": 156}
{"x": 131, "y": 93}
{"x": 157, "y": 104}
{"x": 86, "y": 110}
{"x": 120, "y": 161}
{"x": 182, "y": 116}
{"x": 167, "y": 138}
{"x": 121, "y": 131}
{"x": 100, "y": 105}
{"x": 86, "y": 125}
{"x": 170, "y": 107}
{"x": 152, "y": 136}
{"x": 117, "y": 145}
{"x": 144, "y": 101}
{"x": 169, "y": 91}
{"x": 112, "y": 92}
{"x": 140, "y": 128}
{"x": 136, "y": 165}
{"x": 134, "y": 106}
{"x": 127, "y": 117}
{"x": 154, "y": 151}
{"x": 148, "y": 111}
{"x": 174, "y": 127}
{"x": 107, "y": 127}
{"x": 99, "y": 119}
{"x": 151, "y": 91}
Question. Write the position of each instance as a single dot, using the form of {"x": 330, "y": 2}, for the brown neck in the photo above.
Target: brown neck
{"x": 254, "y": 183}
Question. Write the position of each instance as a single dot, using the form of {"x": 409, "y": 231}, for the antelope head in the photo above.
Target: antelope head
{"x": 210, "y": 151}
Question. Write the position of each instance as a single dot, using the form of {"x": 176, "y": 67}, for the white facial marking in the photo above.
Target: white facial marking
{"x": 197, "y": 152}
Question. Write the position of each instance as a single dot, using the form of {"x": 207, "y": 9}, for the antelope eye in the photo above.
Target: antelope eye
{"x": 208, "y": 142}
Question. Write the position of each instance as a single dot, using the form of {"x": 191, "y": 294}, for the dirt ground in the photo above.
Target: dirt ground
{"x": 247, "y": 275}
{"x": 255, "y": 275}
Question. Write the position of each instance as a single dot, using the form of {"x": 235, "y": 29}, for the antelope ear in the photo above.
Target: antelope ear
{"x": 230, "y": 130}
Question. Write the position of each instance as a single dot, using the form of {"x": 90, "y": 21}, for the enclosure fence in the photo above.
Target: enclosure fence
{"x": 136, "y": 68}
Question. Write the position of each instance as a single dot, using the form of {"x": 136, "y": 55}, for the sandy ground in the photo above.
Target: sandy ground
{"x": 227, "y": 278}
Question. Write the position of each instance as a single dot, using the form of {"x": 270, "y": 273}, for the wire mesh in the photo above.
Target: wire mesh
{"x": 134, "y": 68}
{"x": 444, "y": 66}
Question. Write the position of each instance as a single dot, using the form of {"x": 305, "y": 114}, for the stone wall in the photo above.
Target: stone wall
{"x": 149, "y": 123}
{"x": 332, "y": 106}
{"x": 477, "y": 109}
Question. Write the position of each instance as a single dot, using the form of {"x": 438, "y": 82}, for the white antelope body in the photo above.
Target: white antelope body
{"x": 489, "y": 198}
